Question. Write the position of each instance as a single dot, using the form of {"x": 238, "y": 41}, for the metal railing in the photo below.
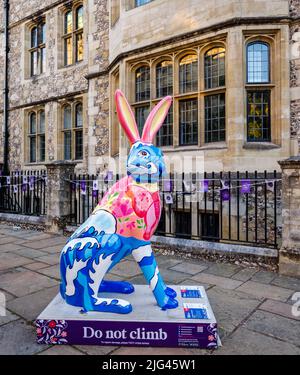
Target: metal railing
{"x": 24, "y": 192}
{"x": 239, "y": 207}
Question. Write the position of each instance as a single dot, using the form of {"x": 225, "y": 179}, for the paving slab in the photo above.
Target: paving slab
{"x": 246, "y": 342}
{"x": 55, "y": 249}
{"x": 61, "y": 350}
{"x": 51, "y": 259}
{"x": 189, "y": 268}
{"x": 151, "y": 351}
{"x": 36, "y": 266}
{"x": 11, "y": 246}
{"x": 52, "y": 271}
{"x": 45, "y": 243}
{"x": 126, "y": 268}
{"x": 30, "y": 306}
{"x": 276, "y": 326}
{"x": 10, "y": 260}
{"x": 279, "y": 308}
{"x": 8, "y": 317}
{"x": 223, "y": 282}
{"x": 287, "y": 282}
{"x": 223, "y": 269}
{"x": 264, "y": 277}
{"x": 266, "y": 291}
{"x": 173, "y": 277}
{"x": 8, "y": 239}
{"x": 23, "y": 282}
{"x": 167, "y": 262}
{"x": 96, "y": 350}
{"x": 231, "y": 307}
{"x": 245, "y": 274}
{"x": 189, "y": 282}
{"x": 18, "y": 338}
{"x": 29, "y": 253}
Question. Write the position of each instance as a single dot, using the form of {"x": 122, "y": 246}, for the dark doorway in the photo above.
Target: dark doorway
{"x": 183, "y": 224}
{"x": 210, "y": 227}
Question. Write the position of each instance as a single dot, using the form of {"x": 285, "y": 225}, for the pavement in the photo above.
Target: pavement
{"x": 253, "y": 307}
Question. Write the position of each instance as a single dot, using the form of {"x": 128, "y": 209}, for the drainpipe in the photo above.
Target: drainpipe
{"x": 5, "y": 89}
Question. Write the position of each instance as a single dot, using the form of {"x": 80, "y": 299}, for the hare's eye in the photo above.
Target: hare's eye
{"x": 143, "y": 154}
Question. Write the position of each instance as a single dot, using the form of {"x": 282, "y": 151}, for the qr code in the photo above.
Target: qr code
{"x": 200, "y": 329}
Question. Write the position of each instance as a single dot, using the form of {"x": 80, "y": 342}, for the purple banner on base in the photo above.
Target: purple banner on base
{"x": 122, "y": 333}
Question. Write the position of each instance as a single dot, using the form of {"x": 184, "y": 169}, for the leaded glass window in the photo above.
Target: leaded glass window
{"x": 258, "y": 62}
{"x": 73, "y": 35}
{"x": 164, "y": 79}
{"x": 188, "y": 122}
{"x": 214, "y": 62}
{"x": 258, "y": 116}
{"x": 188, "y": 74}
{"x": 37, "y": 49}
{"x": 214, "y": 118}
{"x": 142, "y": 84}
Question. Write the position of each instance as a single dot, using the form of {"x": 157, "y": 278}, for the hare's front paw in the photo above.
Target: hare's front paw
{"x": 172, "y": 303}
{"x": 170, "y": 292}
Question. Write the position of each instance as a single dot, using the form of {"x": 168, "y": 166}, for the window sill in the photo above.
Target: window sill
{"x": 211, "y": 146}
{"x": 35, "y": 164}
{"x": 75, "y": 65}
{"x": 260, "y": 146}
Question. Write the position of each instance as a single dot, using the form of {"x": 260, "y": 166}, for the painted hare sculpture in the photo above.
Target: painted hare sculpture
{"x": 121, "y": 224}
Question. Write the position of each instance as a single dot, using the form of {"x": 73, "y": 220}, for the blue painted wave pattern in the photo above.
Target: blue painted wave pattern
{"x": 87, "y": 258}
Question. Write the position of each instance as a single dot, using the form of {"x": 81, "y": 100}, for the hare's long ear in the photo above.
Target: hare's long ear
{"x": 126, "y": 117}
{"x": 156, "y": 119}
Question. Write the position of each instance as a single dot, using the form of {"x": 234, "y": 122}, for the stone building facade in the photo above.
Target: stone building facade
{"x": 61, "y": 80}
{"x": 58, "y": 82}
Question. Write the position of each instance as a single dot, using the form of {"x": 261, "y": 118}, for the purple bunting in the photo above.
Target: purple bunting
{"x": 31, "y": 179}
{"x": 95, "y": 193}
{"x": 204, "y": 186}
{"x": 225, "y": 195}
{"x": 73, "y": 186}
{"x": 245, "y": 186}
{"x": 168, "y": 186}
{"x": 24, "y": 187}
{"x": 83, "y": 187}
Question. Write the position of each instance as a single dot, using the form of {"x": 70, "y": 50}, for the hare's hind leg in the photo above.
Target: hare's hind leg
{"x": 164, "y": 296}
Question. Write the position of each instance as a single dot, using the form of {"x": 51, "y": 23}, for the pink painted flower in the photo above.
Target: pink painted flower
{"x": 64, "y": 334}
{"x": 211, "y": 338}
{"x": 122, "y": 209}
{"x": 38, "y": 330}
{"x": 53, "y": 340}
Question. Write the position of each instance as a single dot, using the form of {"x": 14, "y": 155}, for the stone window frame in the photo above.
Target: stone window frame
{"x": 36, "y": 22}
{"x": 37, "y": 135}
{"x": 73, "y": 103}
{"x": 199, "y": 94}
{"x": 132, "y": 4}
{"x": 71, "y": 6}
{"x": 272, "y": 86}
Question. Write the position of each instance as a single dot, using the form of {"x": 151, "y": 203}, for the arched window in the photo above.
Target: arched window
{"x": 32, "y": 137}
{"x": 165, "y": 134}
{"x": 73, "y": 35}
{"x": 36, "y": 135}
{"x": 188, "y": 73}
{"x": 142, "y": 83}
{"x": 164, "y": 79}
{"x": 73, "y": 131}
{"x": 37, "y": 49}
{"x": 78, "y": 132}
{"x": 214, "y": 62}
{"x": 67, "y": 114}
{"x": 41, "y": 136}
{"x": 258, "y": 62}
